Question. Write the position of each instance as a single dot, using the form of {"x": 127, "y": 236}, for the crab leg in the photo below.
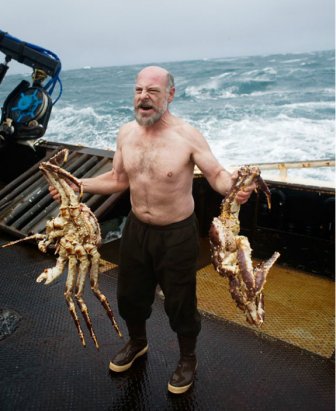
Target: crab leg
{"x": 261, "y": 271}
{"x": 72, "y": 196}
{"x": 93, "y": 226}
{"x": 245, "y": 265}
{"x": 254, "y": 280}
{"x": 260, "y": 274}
{"x": 30, "y": 237}
{"x": 69, "y": 286}
{"x": 264, "y": 188}
{"x": 235, "y": 288}
{"x": 95, "y": 287}
{"x": 84, "y": 265}
{"x": 62, "y": 176}
{"x": 254, "y": 313}
{"x": 60, "y": 158}
{"x": 53, "y": 180}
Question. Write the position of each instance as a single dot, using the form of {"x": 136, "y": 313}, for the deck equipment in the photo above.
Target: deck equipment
{"x": 26, "y": 110}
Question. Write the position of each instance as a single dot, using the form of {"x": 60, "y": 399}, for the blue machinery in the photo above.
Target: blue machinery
{"x": 26, "y": 110}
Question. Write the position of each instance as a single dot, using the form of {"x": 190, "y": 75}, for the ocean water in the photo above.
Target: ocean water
{"x": 255, "y": 109}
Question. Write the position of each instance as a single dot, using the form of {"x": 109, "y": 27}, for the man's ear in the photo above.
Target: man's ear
{"x": 171, "y": 94}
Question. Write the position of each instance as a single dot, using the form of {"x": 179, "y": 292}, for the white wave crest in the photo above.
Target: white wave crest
{"x": 256, "y": 140}
{"x": 83, "y": 126}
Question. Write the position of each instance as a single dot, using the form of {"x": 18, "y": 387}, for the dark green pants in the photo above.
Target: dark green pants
{"x": 164, "y": 255}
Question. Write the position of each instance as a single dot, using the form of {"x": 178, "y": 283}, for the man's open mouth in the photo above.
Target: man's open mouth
{"x": 145, "y": 107}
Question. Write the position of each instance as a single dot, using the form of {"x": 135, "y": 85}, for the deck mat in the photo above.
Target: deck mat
{"x": 44, "y": 366}
{"x": 300, "y": 308}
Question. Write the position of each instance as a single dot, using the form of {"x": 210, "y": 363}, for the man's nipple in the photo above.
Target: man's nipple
{"x": 170, "y": 174}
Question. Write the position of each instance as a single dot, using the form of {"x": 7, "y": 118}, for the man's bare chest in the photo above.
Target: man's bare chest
{"x": 155, "y": 160}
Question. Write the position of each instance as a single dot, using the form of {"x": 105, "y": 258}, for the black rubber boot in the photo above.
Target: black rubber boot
{"x": 183, "y": 376}
{"x": 136, "y": 347}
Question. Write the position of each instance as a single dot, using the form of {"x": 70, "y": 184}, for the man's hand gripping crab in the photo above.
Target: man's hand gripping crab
{"x": 75, "y": 233}
{"x": 231, "y": 252}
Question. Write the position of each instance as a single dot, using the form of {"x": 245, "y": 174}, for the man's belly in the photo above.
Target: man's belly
{"x": 163, "y": 215}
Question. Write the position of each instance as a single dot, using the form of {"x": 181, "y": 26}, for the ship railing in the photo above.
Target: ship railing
{"x": 283, "y": 167}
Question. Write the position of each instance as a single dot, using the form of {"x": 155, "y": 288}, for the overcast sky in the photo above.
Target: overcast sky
{"x": 109, "y": 32}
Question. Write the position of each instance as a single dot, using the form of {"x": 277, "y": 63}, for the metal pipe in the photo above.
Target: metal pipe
{"x": 36, "y": 209}
{"x": 50, "y": 211}
{"x": 108, "y": 203}
{"x": 295, "y": 164}
{"x": 12, "y": 189}
{"x": 101, "y": 164}
{"x": 282, "y": 166}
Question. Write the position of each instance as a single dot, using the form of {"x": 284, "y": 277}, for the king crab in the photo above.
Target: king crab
{"x": 75, "y": 234}
{"x": 231, "y": 252}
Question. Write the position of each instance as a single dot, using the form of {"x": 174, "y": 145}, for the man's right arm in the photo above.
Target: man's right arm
{"x": 113, "y": 181}
{"x": 107, "y": 183}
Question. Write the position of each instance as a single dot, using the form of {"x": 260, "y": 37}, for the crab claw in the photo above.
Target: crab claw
{"x": 50, "y": 274}
{"x": 60, "y": 158}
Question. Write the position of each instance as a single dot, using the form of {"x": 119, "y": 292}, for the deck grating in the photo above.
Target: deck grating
{"x": 299, "y": 308}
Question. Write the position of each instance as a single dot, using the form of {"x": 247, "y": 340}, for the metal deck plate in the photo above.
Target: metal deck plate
{"x": 44, "y": 366}
{"x": 299, "y": 307}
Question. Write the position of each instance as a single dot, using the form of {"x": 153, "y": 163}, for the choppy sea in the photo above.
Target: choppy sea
{"x": 267, "y": 108}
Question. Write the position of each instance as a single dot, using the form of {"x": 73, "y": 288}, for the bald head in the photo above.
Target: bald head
{"x": 158, "y": 74}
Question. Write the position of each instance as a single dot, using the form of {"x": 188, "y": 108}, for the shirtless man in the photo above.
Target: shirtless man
{"x": 155, "y": 157}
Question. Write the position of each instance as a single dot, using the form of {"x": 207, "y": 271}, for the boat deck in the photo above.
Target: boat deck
{"x": 299, "y": 307}
{"x": 44, "y": 366}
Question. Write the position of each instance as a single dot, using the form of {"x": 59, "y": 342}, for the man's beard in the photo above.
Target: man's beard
{"x": 154, "y": 118}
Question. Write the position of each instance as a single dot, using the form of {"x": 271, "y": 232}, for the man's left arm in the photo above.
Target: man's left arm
{"x": 218, "y": 177}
